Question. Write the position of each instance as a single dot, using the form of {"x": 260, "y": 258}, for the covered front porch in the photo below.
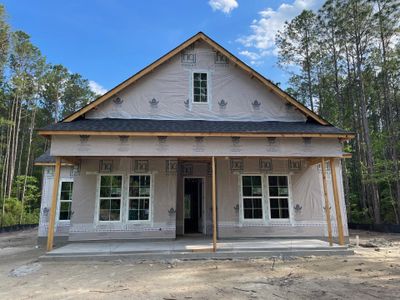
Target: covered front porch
{"x": 310, "y": 183}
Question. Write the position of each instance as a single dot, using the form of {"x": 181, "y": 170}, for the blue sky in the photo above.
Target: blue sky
{"x": 109, "y": 40}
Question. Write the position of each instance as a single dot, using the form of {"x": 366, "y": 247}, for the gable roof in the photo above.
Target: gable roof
{"x": 197, "y": 37}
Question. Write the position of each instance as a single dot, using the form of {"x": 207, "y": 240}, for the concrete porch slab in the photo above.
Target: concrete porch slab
{"x": 192, "y": 248}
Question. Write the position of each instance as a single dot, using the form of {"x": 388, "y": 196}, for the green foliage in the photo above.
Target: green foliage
{"x": 33, "y": 94}
{"x": 345, "y": 60}
{"x": 32, "y": 190}
{"x": 13, "y": 208}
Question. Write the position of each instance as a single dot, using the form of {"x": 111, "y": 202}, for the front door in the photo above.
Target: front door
{"x": 193, "y": 205}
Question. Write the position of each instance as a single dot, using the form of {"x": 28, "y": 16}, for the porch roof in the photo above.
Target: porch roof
{"x": 193, "y": 126}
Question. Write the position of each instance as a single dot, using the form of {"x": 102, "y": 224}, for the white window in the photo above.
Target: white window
{"x": 252, "y": 197}
{"x": 139, "y": 198}
{"x": 110, "y": 198}
{"x": 278, "y": 193}
{"x": 200, "y": 88}
{"x": 65, "y": 200}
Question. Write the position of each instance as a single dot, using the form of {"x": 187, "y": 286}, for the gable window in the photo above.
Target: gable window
{"x": 252, "y": 195}
{"x": 139, "y": 198}
{"x": 110, "y": 198}
{"x": 65, "y": 200}
{"x": 200, "y": 88}
{"x": 278, "y": 188}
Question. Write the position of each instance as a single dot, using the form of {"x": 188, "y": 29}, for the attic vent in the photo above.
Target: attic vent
{"x": 220, "y": 59}
{"x": 188, "y": 58}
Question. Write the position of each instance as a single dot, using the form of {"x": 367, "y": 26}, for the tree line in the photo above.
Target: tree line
{"x": 344, "y": 63}
{"x": 33, "y": 93}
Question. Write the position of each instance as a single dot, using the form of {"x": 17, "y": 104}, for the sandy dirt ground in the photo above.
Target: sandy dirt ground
{"x": 372, "y": 273}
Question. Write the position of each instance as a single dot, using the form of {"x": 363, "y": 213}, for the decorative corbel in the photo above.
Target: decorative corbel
{"x": 154, "y": 102}
{"x": 256, "y": 104}
{"x": 222, "y": 103}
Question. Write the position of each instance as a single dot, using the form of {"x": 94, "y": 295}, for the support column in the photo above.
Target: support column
{"x": 327, "y": 205}
{"x": 339, "y": 221}
{"x": 52, "y": 217}
{"x": 214, "y": 204}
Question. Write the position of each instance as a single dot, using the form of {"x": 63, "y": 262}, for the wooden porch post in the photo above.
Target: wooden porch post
{"x": 52, "y": 218}
{"x": 339, "y": 221}
{"x": 327, "y": 205}
{"x": 214, "y": 204}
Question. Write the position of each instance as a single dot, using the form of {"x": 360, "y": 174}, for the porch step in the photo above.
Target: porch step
{"x": 195, "y": 255}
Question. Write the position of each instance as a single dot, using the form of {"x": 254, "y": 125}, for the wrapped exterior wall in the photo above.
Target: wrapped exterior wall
{"x": 190, "y": 146}
{"x": 85, "y": 225}
{"x": 167, "y": 201}
{"x": 61, "y": 227}
{"x": 305, "y": 192}
{"x": 171, "y": 87}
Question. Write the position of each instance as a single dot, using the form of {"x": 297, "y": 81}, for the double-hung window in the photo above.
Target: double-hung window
{"x": 139, "y": 198}
{"x": 110, "y": 198}
{"x": 278, "y": 187}
{"x": 200, "y": 87}
{"x": 65, "y": 200}
{"x": 252, "y": 197}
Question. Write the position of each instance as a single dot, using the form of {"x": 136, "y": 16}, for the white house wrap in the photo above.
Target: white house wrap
{"x": 138, "y": 161}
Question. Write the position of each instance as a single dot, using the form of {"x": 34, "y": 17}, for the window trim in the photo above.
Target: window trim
{"x": 59, "y": 199}
{"x": 121, "y": 209}
{"x": 126, "y": 209}
{"x": 242, "y": 219}
{"x": 208, "y": 102}
{"x": 289, "y": 197}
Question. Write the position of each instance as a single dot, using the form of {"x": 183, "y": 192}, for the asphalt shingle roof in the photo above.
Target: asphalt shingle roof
{"x": 194, "y": 126}
{"x": 45, "y": 158}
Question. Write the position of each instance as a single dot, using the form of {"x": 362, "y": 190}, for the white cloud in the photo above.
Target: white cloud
{"x": 226, "y": 6}
{"x": 261, "y": 41}
{"x": 97, "y": 88}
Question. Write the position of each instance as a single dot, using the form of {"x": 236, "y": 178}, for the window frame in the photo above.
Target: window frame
{"x": 241, "y": 202}
{"x": 59, "y": 199}
{"x": 98, "y": 199}
{"x": 289, "y": 197}
{"x": 208, "y": 87}
{"x": 128, "y": 198}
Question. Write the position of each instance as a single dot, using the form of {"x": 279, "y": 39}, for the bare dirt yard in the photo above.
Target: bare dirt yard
{"x": 372, "y": 273}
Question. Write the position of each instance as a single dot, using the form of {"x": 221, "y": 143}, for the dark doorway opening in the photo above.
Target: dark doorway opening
{"x": 193, "y": 205}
